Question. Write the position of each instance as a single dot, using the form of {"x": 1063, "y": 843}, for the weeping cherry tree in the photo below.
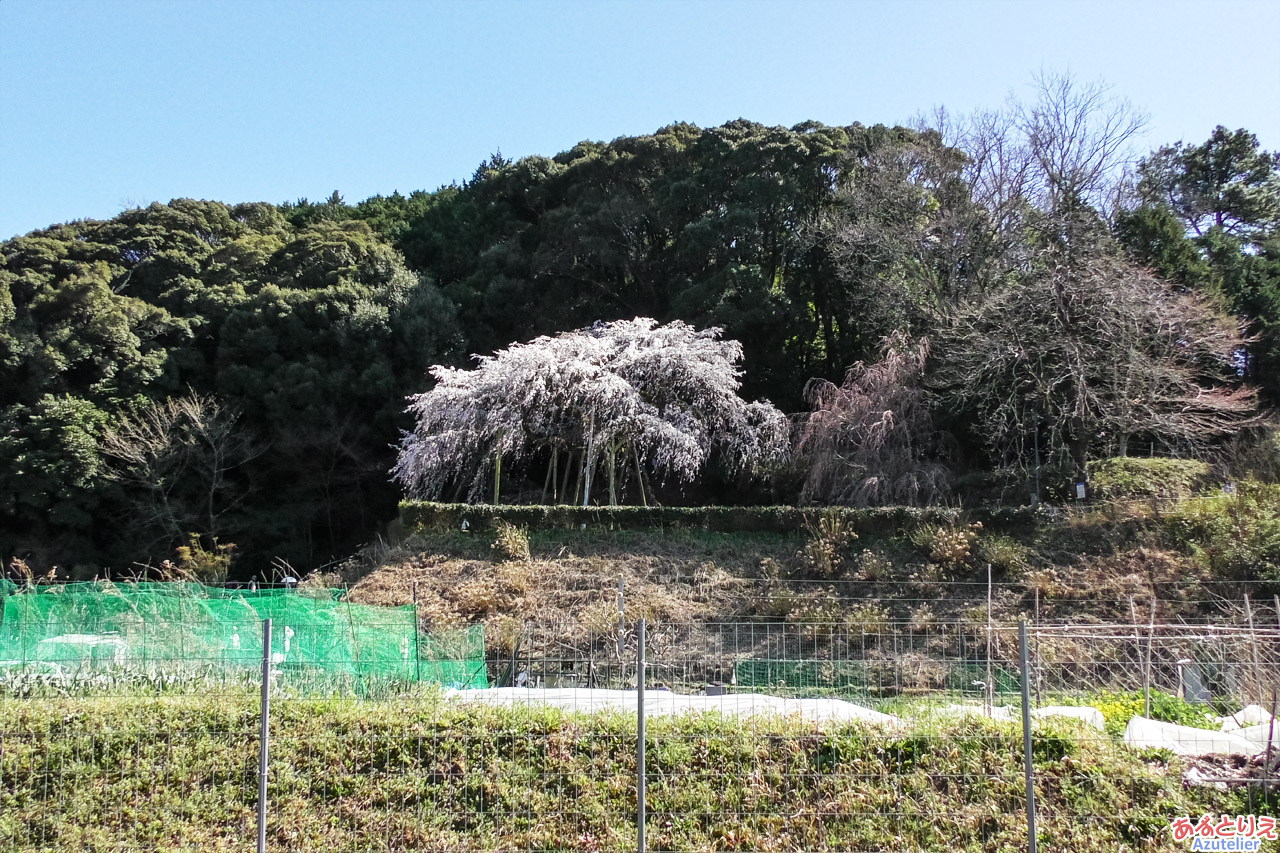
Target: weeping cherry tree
{"x": 614, "y": 397}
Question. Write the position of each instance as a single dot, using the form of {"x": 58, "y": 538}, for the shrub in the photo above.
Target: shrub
{"x": 869, "y": 617}
{"x": 1235, "y": 536}
{"x": 1119, "y": 707}
{"x": 205, "y": 565}
{"x": 872, "y": 566}
{"x": 923, "y": 618}
{"x": 1004, "y": 554}
{"x": 815, "y": 609}
{"x": 1126, "y": 477}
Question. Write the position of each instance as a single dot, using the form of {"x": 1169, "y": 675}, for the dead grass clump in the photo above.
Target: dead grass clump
{"x": 502, "y": 633}
{"x": 564, "y": 596}
{"x": 872, "y": 567}
{"x": 512, "y": 543}
{"x": 476, "y": 599}
{"x": 829, "y": 538}
{"x": 952, "y": 546}
{"x": 573, "y": 589}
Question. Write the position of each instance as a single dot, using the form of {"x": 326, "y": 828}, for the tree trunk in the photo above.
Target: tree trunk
{"x": 639, "y": 478}
{"x": 457, "y": 490}
{"x": 613, "y": 464}
{"x": 588, "y": 468}
{"x": 829, "y": 340}
{"x": 546, "y": 481}
{"x": 497, "y": 476}
{"x": 1079, "y": 446}
{"x": 568, "y": 472}
{"x": 577, "y": 481}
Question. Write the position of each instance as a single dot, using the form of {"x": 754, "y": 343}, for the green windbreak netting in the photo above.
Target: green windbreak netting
{"x": 171, "y": 627}
{"x": 758, "y": 674}
{"x": 863, "y": 676}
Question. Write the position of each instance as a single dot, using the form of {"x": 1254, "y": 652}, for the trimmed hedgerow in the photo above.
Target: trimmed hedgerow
{"x": 1125, "y": 477}
{"x": 433, "y": 517}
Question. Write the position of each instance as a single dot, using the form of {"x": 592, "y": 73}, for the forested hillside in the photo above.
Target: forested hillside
{"x": 1004, "y": 294}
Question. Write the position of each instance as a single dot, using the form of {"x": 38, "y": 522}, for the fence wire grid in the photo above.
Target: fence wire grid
{"x": 867, "y": 734}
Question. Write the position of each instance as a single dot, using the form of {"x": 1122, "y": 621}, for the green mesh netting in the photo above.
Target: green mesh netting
{"x": 772, "y": 674}
{"x": 171, "y": 627}
{"x": 860, "y": 676}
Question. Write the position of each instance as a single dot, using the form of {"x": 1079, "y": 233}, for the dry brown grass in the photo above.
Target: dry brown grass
{"x": 1100, "y": 587}
{"x": 694, "y": 577}
{"x": 571, "y": 581}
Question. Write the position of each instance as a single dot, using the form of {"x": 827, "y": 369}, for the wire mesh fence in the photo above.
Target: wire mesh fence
{"x": 862, "y": 734}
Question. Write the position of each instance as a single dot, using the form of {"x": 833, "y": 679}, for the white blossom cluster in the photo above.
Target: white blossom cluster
{"x": 664, "y": 395}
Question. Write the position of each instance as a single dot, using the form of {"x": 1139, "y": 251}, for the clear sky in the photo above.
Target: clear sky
{"x": 107, "y": 105}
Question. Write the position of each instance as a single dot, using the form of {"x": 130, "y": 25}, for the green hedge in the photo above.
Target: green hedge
{"x": 1125, "y": 477}
{"x": 441, "y": 517}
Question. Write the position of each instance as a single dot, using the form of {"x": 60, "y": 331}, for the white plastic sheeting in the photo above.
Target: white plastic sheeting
{"x": 1087, "y": 715}
{"x": 663, "y": 703}
{"x": 1258, "y": 736}
{"x": 1249, "y": 715}
{"x": 1185, "y": 740}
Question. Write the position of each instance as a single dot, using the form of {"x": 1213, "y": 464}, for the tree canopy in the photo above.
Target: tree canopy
{"x": 308, "y": 333}
{"x": 1064, "y": 307}
{"x": 1209, "y": 218}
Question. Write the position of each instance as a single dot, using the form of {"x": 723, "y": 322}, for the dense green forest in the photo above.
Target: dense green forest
{"x": 1012, "y": 291}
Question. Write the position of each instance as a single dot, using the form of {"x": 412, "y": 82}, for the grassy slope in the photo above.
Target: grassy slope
{"x": 179, "y": 773}
{"x": 1082, "y": 566}
{"x": 421, "y": 773}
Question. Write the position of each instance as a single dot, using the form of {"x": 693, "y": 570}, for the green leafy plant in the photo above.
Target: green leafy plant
{"x": 1119, "y": 707}
{"x": 1003, "y": 553}
{"x": 1236, "y": 536}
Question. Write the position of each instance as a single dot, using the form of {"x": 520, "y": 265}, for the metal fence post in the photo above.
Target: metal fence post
{"x": 1036, "y": 623}
{"x": 622, "y": 627}
{"x": 640, "y": 768}
{"x": 1026, "y": 738}
{"x": 1146, "y": 664}
{"x": 1253, "y": 649}
{"x": 990, "y": 695}
{"x": 417, "y": 651}
{"x": 262, "y": 739}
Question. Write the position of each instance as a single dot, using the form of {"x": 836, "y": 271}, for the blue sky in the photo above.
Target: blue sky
{"x": 111, "y": 105}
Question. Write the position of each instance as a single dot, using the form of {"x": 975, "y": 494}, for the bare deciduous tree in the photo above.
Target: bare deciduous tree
{"x": 175, "y": 457}
{"x": 1079, "y": 135}
{"x": 1092, "y": 356}
{"x": 1071, "y": 146}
